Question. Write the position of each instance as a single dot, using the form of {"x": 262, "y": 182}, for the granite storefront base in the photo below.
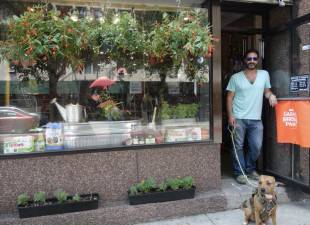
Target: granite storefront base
{"x": 109, "y": 173}
{"x": 123, "y": 214}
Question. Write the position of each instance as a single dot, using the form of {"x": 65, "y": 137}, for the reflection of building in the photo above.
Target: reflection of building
{"x": 110, "y": 169}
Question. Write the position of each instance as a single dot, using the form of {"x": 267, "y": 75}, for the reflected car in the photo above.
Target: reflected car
{"x": 15, "y": 120}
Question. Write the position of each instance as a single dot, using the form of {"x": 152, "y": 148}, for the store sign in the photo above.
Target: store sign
{"x": 299, "y": 83}
{"x": 135, "y": 87}
{"x": 292, "y": 122}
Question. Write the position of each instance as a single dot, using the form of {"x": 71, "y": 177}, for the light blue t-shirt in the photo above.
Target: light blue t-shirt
{"x": 248, "y": 98}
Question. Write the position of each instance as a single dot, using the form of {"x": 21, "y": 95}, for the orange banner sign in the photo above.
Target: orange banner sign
{"x": 293, "y": 122}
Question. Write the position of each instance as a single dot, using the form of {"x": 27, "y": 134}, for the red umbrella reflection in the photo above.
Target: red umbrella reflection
{"x": 103, "y": 82}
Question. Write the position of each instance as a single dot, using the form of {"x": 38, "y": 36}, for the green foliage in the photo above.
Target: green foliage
{"x": 166, "y": 111}
{"x": 179, "y": 111}
{"x": 174, "y": 184}
{"x": 39, "y": 197}
{"x": 187, "y": 182}
{"x": 133, "y": 190}
{"x": 22, "y": 199}
{"x": 149, "y": 185}
{"x": 61, "y": 196}
{"x": 110, "y": 111}
{"x": 120, "y": 38}
{"x": 144, "y": 186}
{"x": 162, "y": 186}
{"x": 76, "y": 198}
{"x": 163, "y": 44}
{"x": 42, "y": 40}
{"x": 177, "y": 183}
{"x": 42, "y": 44}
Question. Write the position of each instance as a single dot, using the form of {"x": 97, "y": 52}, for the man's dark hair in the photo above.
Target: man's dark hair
{"x": 252, "y": 50}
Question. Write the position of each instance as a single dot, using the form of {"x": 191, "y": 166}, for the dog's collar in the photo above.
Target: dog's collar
{"x": 267, "y": 204}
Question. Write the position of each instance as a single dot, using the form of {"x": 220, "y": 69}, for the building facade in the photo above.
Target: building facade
{"x": 153, "y": 127}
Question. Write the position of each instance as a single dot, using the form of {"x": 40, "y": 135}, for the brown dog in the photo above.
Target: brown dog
{"x": 263, "y": 203}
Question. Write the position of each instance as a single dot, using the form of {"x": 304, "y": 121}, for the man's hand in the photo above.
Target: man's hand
{"x": 273, "y": 100}
{"x": 232, "y": 121}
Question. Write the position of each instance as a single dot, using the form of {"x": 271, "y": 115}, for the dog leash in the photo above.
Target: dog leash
{"x": 231, "y": 130}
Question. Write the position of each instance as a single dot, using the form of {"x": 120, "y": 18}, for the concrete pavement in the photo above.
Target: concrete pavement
{"x": 292, "y": 213}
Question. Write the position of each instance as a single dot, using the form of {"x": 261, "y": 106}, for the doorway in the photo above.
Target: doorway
{"x": 240, "y": 32}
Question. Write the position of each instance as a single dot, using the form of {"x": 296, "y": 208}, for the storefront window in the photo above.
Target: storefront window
{"x": 115, "y": 99}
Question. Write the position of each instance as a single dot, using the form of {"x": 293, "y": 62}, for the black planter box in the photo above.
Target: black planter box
{"x": 58, "y": 208}
{"x": 168, "y": 195}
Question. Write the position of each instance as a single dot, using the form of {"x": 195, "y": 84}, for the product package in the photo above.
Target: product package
{"x": 54, "y": 136}
{"x": 18, "y": 144}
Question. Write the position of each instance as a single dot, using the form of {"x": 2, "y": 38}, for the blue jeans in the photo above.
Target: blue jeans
{"x": 253, "y": 131}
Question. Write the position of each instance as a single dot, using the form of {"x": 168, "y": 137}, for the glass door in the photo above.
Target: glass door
{"x": 287, "y": 55}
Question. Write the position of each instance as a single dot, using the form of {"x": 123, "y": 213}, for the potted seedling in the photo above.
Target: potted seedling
{"x": 39, "y": 197}
{"x": 22, "y": 200}
{"x": 62, "y": 202}
{"x": 148, "y": 191}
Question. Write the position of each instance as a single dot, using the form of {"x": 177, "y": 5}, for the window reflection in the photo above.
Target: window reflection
{"x": 106, "y": 105}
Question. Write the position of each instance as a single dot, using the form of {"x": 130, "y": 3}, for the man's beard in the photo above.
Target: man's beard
{"x": 250, "y": 67}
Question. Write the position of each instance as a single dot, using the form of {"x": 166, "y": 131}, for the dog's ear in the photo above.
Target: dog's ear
{"x": 273, "y": 180}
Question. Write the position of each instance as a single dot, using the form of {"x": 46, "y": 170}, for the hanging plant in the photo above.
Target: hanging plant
{"x": 199, "y": 42}
{"x": 184, "y": 38}
{"x": 43, "y": 44}
{"x": 121, "y": 39}
{"x": 158, "y": 46}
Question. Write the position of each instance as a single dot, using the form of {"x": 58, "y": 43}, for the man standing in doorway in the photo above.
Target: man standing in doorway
{"x": 244, "y": 108}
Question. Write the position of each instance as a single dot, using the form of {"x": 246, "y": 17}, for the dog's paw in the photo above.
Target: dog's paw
{"x": 245, "y": 223}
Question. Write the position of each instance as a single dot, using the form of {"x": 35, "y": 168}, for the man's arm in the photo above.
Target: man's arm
{"x": 271, "y": 97}
{"x": 229, "y": 103}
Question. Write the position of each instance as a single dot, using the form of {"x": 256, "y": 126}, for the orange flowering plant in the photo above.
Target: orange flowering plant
{"x": 184, "y": 38}
{"x": 42, "y": 43}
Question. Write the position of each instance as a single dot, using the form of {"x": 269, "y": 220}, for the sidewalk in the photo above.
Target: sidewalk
{"x": 292, "y": 213}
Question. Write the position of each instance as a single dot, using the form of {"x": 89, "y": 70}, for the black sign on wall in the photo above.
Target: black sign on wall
{"x": 299, "y": 85}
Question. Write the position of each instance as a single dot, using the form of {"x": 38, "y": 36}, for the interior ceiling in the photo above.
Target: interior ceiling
{"x": 230, "y": 17}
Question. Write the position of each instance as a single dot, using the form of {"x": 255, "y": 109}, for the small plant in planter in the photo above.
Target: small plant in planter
{"x": 39, "y": 197}
{"x": 148, "y": 191}
{"x": 76, "y": 198}
{"x": 61, "y": 196}
{"x": 22, "y": 200}
{"x": 61, "y": 203}
{"x": 187, "y": 182}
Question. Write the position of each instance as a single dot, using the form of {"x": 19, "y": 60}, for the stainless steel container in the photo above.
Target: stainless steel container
{"x": 98, "y": 133}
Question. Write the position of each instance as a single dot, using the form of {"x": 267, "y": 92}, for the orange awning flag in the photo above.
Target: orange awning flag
{"x": 293, "y": 122}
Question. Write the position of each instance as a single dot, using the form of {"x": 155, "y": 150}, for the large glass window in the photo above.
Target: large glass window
{"x": 116, "y": 98}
